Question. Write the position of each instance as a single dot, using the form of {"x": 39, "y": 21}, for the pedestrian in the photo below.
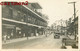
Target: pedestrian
{"x": 36, "y": 34}
{"x": 8, "y": 38}
{"x": 5, "y": 36}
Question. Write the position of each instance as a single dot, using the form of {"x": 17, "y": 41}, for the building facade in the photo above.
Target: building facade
{"x": 22, "y": 21}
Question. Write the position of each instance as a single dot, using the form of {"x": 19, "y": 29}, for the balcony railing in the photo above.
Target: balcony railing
{"x": 37, "y": 13}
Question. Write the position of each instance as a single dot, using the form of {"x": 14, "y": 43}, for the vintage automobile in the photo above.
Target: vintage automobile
{"x": 56, "y": 36}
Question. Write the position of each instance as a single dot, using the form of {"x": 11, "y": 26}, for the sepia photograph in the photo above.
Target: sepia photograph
{"x": 40, "y": 24}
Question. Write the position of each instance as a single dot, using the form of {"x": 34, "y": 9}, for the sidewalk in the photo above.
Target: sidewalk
{"x": 21, "y": 39}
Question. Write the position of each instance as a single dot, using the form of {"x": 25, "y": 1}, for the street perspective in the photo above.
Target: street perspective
{"x": 39, "y": 24}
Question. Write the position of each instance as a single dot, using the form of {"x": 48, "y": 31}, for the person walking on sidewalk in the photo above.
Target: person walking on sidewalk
{"x": 5, "y": 36}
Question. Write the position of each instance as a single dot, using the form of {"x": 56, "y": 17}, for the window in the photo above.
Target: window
{"x": 10, "y": 12}
{"x": 18, "y": 16}
{"x": 24, "y": 18}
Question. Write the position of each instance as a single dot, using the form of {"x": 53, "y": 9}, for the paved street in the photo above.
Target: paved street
{"x": 37, "y": 43}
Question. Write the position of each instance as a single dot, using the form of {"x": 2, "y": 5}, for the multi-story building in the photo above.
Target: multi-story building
{"x": 22, "y": 20}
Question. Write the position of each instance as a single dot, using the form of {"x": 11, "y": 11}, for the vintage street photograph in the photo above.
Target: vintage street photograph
{"x": 39, "y": 24}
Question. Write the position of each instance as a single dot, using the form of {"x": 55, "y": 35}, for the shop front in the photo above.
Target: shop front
{"x": 8, "y": 31}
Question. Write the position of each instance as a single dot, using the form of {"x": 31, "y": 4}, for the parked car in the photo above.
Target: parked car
{"x": 56, "y": 36}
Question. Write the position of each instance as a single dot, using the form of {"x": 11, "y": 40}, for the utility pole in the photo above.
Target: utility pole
{"x": 74, "y": 17}
{"x": 74, "y": 8}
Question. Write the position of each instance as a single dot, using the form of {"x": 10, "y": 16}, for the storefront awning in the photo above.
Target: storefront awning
{"x": 22, "y": 23}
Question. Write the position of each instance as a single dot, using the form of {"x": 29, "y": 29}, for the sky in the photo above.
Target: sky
{"x": 56, "y": 9}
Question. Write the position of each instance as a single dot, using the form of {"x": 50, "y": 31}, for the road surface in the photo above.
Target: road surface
{"x": 37, "y": 43}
